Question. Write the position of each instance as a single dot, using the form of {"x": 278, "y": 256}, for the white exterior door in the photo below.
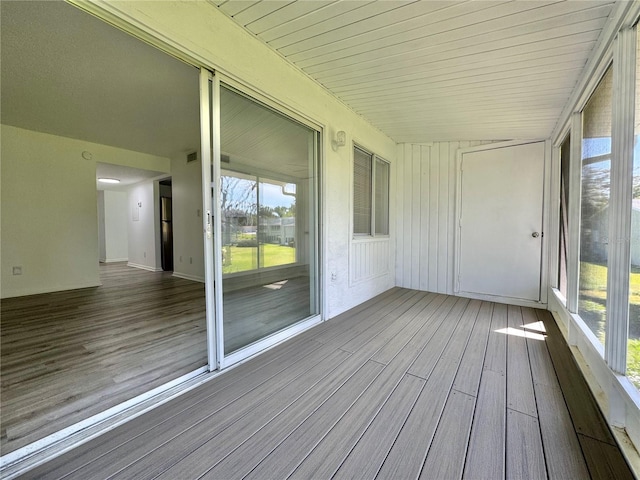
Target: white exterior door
{"x": 500, "y": 224}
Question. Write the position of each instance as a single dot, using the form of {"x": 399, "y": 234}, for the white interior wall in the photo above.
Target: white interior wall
{"x": 186, "y": 184}
{"x": 143, "y": 226}
{"x": 49, "y": 223}
{"x": 215, "y": 41}
{"x": 102, "y": 243}
{"x": 425, "y": 215}
{"x": 115, "y": 226}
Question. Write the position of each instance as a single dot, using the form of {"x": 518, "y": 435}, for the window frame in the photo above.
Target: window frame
{"x": 607, "y": 363}
{"x": 373, "y": 160}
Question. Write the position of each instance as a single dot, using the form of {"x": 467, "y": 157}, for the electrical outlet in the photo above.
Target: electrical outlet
{"x": 334, "y": 277}
{"x": 17, "y": 270}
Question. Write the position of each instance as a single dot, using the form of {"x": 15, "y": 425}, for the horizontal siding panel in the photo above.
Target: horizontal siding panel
{"x": 496, "y": 92}
{"x": 285, "y": 15}
{"x": 234, "y": 7}
{"x": 554, "y": 78}
{"x": 389, "y": 16}
{"x": 303, "y": 40}
{"x": 539, "y": 61}
{"x": 435, "y": 26}
{"x": 415, "y": 43}
{"x": 483, "y": 76}
{"x": 283, "y": 34}
{"x": 477, "y": 54}
{"x": 258, "y": 11}
{"x": 447, "y": 71}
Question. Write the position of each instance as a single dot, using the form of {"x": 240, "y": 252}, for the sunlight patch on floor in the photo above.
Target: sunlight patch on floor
{"x": 537, "y": 326}
{"x": 521, "y": 333}
{"x": 276, "y": 285}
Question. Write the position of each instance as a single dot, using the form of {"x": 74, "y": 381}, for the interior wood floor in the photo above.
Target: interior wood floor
{"x": 407, "y": 385}
{"x": 68, "y": 355}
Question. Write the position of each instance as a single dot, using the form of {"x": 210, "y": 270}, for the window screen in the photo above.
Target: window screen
{"x": 370, "y": 194}
{"x": 362, "y": 174}
{"x": 381, "y": 197}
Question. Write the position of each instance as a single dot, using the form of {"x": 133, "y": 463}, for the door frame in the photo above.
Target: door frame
{"x": 210, "y": 84}
{"x": 544, "y": 256}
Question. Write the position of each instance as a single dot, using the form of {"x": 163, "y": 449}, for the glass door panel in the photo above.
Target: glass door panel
{"x": 268, "y": 212}
{"x": 594, "y": 209}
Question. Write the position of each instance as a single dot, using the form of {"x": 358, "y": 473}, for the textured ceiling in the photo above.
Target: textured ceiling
{"x": 436, "y": 70}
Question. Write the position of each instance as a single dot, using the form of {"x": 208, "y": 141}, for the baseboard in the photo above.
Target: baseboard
{"x": 186, "y": 276}
{"x": 143, "y": 267}
{"x": 115, "y": 260}
{"x": 37, "y": 291}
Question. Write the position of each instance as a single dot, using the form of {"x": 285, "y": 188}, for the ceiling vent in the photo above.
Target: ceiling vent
{"x": 224, "y": 158}
{"x": 192, "y": 157}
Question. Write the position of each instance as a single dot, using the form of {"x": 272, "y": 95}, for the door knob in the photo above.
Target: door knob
{"x": 535, "y": 234}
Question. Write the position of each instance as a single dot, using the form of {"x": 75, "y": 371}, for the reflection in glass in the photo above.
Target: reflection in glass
{"x": 633, "y": 351}
{"x": 268, "y": 208}
{"x": 239, "y": 223}
{"x": 277, "y": 223}
{"x": 564, "y": 208}
{"x": 594, "y": 214}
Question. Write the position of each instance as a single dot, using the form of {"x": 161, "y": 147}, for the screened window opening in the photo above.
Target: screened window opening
{"x": 564, "y": 220}
{"x": 633, "y": 345}
{"x": 594, "y": 211}
{"x": 370, "y": 194}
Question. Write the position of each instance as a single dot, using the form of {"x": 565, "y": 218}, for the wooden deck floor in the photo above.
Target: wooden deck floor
{"x": 407, "y": 385}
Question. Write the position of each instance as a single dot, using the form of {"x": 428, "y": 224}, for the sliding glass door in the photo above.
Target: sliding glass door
{"x": 264, "y": 211}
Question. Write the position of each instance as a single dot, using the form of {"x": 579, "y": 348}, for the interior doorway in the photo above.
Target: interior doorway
{"x": 500, "y": 216}
{"x": 166, "y": 226}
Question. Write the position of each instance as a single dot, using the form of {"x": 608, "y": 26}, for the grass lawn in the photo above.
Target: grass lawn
{"x": 593, "y": 294}
{"x": 245, "y": 258}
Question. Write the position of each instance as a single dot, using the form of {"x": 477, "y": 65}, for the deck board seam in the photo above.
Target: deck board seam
{"x": 211, "y": 467}
{"x": 196, "y": 447}
{"x": 418, "y": 351}
{"x": 204, "y": 419}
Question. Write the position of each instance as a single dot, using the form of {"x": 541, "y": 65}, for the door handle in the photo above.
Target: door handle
{"x": 535, "y": 234}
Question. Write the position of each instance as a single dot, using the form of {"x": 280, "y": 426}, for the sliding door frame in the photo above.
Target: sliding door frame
{"x": 211, "y": 172}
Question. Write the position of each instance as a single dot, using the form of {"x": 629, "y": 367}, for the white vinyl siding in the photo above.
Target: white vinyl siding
{"x": 425, "y": 215}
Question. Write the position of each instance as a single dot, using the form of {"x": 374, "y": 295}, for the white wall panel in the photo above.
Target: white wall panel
{"x": 143, "y": 228}
{"x": 369, "y": 259}
{"x": 425, "y": 215}
{"x": 115, "y": 226}
{"x": 50, "y": 210}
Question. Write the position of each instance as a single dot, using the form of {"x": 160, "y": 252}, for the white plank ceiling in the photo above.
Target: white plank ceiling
{"x": 425, "y": 71}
